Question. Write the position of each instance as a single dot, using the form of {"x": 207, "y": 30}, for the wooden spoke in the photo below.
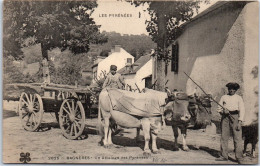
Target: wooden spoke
{"x": 77, "y": 119}
{"x": 33, "y": 120}
{"x": 27, "y": 98}
{"x": 68, "y": 129}
{"x": 68, "y": 104}
{"x": 73, "y": 106}
{"x": 31, "y": 106}
{"x": 66, "y": 123}
{"x": 77, "y": 124}
{"x": 66, "y": 111}
{"x": 25, "y": 101}
{"x": 27, "y": 113}
{"x": 75, "y": 128}
{"x": 31, "y": 98}
{"x": 71, "y": 113}
{"x": 71, "y": 129}
{"x": 35, "y": 109}
{"x": 76, "y": 108}
{"x": 77, "y": 114}
{"x": 29, "y": 117}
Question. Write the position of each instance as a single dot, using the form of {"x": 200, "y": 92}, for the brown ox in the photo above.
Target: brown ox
{"x": 131, "y": 110}
{"x": 199, "y": 111}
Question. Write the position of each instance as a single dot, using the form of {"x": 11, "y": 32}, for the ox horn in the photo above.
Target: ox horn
{"x": 168, "y": 91}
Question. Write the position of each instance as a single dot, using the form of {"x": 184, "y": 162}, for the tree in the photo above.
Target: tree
{"x": 131, "y": 43}
{"x": 32, "y": 54}
{"x": 164, "y": 27}
{"x": 68, "y": 73}
{"x": 62, "y": 24}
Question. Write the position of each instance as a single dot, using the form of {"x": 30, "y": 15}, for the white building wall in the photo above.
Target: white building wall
{"x": 116, "y": 58}
{"x": 130, "y": 80}
{"x": 143, "y": 72}
{"x": 137, "y": 78}
{"x": 250, "y": 70}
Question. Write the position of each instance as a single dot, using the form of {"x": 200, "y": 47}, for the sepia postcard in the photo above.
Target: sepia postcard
{"x": 130, "y": 82}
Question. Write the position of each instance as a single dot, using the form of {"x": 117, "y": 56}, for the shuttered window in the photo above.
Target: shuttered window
{"x": 175, "y": 58}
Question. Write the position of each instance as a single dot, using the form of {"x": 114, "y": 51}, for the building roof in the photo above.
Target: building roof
{"x": 139, "y": 63}
{"x": 204, "y": 13}
{"x": 99, "y": 59}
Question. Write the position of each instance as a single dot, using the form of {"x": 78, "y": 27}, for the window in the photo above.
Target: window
{"x": 175, "y": 58}
{"x": 129, "y": 60}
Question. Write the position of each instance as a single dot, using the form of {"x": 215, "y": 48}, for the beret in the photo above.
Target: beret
{"x": 233, "y": 85}
{"x": 113, "y": 67}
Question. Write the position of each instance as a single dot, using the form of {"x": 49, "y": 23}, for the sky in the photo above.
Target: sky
{"x": 131, "y": 19}
{"x": 129, "y": 22}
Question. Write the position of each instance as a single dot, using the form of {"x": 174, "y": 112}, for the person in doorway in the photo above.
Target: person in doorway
{"x": 232, "y": 112}
{"x": 114, "y": 79}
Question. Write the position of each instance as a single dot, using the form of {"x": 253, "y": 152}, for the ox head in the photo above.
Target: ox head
{"x": 182, "y": 108}
{"x": 200, "y": 110}
{"x": 176, "y": 109}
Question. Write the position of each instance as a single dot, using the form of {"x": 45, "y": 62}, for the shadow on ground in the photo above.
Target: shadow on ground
{"x": 9, "y": 114}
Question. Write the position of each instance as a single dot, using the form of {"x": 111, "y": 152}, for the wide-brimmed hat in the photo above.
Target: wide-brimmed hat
{"x": 233, "y": 85}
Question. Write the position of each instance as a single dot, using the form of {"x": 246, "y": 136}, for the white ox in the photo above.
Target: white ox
{"x": 131, "y": 110}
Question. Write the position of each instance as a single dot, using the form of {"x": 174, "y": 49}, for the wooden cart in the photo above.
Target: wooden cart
{"x": 69, "y": 103}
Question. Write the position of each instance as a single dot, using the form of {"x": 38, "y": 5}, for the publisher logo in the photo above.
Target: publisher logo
{"x": 25, "y": 157}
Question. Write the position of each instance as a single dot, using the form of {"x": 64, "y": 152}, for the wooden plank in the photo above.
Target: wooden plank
{"x": 76, "y": 90}
{"x": 40, "y": 88}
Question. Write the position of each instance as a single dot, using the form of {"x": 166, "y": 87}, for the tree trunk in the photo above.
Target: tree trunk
{"x": 45, "y": 64}
{"x": 44, "y": 51}
{"x": 160, "y": 72}
{"x": 160, "y": 75}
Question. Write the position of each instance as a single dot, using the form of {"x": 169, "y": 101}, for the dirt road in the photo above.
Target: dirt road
{"x": 49, "y": 146}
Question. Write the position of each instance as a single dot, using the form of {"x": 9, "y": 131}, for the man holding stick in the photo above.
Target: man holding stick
{"x": 232, "y": 111}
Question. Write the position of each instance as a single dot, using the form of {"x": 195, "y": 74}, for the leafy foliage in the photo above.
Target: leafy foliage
{"x": 165, "y": 26}
{"x": 14, "y": 74}
{"x": 67, "y": 74}
{"x": 63, "y": 24}
{"x": 166, "y": 19}
{"x": 67, "y": 67}
{"x": 134, "y": 44}
{"x": 32, "y": 54}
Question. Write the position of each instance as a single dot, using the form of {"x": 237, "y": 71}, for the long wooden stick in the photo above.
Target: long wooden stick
{"x": 207, "y": 94}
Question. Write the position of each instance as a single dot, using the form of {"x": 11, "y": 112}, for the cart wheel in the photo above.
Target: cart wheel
{"x": 62, "y": 96}
{"x": 72, "y": 118}
{"x": 30, "y": 111}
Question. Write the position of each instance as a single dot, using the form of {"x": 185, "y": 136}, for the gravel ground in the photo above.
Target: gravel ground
{"x": 50, "y": 146}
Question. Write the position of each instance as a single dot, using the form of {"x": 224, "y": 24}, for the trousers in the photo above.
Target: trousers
{"x": 230, "y": 124}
